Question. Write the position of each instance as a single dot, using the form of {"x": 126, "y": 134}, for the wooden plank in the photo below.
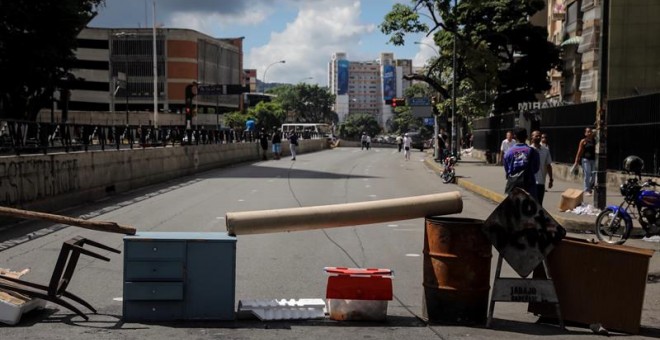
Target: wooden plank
{"x": 93, "y": 225}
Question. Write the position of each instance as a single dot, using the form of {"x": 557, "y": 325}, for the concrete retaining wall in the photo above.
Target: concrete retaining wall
{"x": 56, "y": 181}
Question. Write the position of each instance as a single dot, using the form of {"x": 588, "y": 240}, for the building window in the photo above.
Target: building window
{"x": 589, "y": 39}
{"x": 587, "y": 81}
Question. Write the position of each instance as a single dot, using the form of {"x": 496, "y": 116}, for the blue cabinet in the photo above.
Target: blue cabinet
{"x": 179, "y": 276}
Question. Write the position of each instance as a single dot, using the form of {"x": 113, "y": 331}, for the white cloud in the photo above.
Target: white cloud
{"x": 307, "y": 43}
{"x": 204, "y": 22}
{"x": 427, "y": 50}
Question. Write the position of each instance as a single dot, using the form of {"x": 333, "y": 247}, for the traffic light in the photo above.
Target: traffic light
{"x": 191, "y": 91}
{"x": 398, "y": 102}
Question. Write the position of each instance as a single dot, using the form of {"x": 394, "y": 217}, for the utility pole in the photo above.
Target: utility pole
{"x": 454, "y": 137}
{"x": 601, "y": 109}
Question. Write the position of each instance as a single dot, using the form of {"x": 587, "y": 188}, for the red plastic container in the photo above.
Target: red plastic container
{"x": 358, "y": 293}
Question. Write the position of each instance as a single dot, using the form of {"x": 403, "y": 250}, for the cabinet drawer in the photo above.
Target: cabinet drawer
{"x": 154, "y": 250}
{"x": 135, "y": 291}
{"x": 153, "y": 270}
{"x": 153, "y": 310}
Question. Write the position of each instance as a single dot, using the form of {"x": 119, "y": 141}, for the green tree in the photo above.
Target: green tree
{"x": 498, "y": 49}
{"x": 419, "y": 90}
{"x": 355, "y": 124}
{"x": 308, "y": 103}
{"x": 236, "y": 120}
{"x": 37, "y": 39}
{"x": 268, "y": 115}
{"x": 404, "y": 121}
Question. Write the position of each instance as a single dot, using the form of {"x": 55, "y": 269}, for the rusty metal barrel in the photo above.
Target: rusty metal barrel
{"x": 457, "y": 259}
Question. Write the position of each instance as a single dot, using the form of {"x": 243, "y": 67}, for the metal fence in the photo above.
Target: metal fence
{"x": 633, "y": 128}
{"x": 23, "y": 137}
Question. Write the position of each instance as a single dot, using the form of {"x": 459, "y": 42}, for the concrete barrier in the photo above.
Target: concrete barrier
{"x": 56, "y": 181}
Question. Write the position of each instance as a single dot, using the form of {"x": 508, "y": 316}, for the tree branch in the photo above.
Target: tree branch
{"x": 424, "y": 78}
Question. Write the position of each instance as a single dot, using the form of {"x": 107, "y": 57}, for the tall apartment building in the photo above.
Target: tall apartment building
{"x": 367, "y": 86}
{"x": 634, "y": 51}
{"x": 116, "y": 66}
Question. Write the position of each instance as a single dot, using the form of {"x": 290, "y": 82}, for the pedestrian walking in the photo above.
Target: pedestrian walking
{"x": 586, "y": 156}
{"x": 399, "y": 142}
{"x": 293, "y": 144}
{"x": 276, "y": 140}
{"x": 368, "y": 142}
{"x": 521, "y": 162}
{"x": 407, "y": 142}
{"x": 545, "y": 166}
{"x": 263, "y": 141}
{"x": 506, "y": 144}
{"x": 442, "y": 144}
{"x": 363, "y": 140}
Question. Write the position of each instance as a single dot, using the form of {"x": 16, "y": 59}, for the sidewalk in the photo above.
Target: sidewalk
{"x": 488, "y": 180}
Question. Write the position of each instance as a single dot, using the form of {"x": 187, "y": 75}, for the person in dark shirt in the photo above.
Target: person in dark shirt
{"x": 293, "y": 145}
{"x": 263, "y": 141}
{"x": 442, "y": 144}
{"x": 277, "y": 143}
{"x": 521, "y": 162}
{"x": 586, "y": 156}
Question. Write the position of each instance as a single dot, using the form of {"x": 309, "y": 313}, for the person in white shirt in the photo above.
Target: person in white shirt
{"x": 507, "y": 143}
{"x": 407, "y": 142}
{"x": 545, "y": 166}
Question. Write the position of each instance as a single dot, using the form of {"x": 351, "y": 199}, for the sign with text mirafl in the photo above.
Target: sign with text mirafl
{"x": 539, "y": 105}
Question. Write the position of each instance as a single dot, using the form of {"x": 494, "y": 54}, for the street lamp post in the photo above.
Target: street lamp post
{"x": 123, "y": 36}
{"x": 307, "y": 78}
{"x": 263, "y": 86}
{"x": 436, "y": 132}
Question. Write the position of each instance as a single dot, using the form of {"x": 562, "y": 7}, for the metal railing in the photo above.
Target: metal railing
{"x": 24, "y": 137}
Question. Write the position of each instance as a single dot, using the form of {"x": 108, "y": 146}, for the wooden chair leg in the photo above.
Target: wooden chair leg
{"x": 33, "y": 294}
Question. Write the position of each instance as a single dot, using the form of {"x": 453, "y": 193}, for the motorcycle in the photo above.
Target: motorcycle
{"x": 614, "y": 223}
{"x": 448, "y": 172}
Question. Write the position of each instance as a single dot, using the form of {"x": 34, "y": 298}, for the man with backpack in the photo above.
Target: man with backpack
{"x": 521, "y": 162}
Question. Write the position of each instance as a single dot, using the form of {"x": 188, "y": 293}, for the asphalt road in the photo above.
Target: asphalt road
{"x": 279, "y": 265}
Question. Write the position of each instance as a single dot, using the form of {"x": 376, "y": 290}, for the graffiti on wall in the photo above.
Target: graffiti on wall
{"x": 30, "y": 180}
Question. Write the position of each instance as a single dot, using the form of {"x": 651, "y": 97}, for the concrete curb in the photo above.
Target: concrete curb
{"x": 568, "y": 224}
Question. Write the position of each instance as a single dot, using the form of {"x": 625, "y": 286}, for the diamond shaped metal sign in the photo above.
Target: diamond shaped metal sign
{"x": 522, "y": 231}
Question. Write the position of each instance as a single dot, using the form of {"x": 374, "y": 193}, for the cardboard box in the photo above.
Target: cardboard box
{"x": 586, "y": 277}
{"x": 570, "y": 199}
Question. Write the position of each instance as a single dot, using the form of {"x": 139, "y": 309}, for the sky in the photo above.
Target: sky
{"x": 304, "y": 33}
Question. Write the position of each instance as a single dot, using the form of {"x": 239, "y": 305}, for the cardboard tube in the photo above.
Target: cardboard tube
{"x": 341, "y": 215}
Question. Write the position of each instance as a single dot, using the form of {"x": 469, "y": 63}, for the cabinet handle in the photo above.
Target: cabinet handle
{"x": 153, "y": 291}
{"x": 153, "y": 309}
{"x": 155, "y": 248}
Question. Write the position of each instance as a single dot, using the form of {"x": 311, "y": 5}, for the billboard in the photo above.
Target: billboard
{"x": 342, "y": 76}
{"x": 389, "y": 82}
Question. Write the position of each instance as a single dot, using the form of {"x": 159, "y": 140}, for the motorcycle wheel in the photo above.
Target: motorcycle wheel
{"x": 612, "y": 228}
{"x": 448, "y": 176}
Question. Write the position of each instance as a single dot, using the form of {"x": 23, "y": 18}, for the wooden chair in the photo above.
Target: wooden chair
{"x": 61, "y": 277}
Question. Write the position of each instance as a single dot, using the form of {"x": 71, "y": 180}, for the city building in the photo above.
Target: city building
{"x": 367, "y": 86}
{"x": 634, "y": 52}
{"x": 116, "y": 71}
